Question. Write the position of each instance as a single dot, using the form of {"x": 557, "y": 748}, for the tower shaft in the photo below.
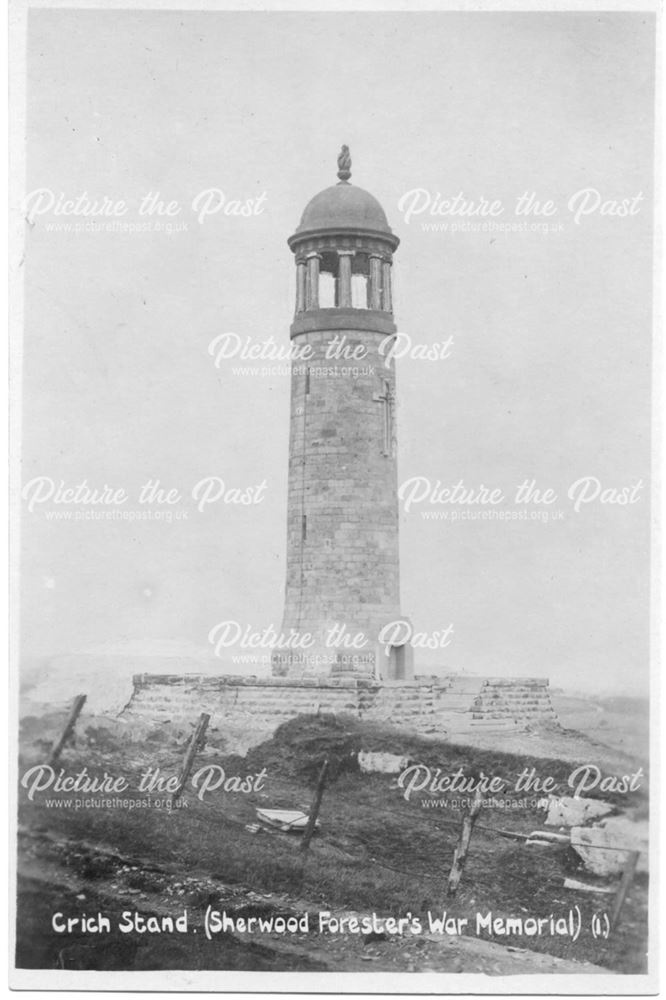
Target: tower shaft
{"x": 343, "y": 580}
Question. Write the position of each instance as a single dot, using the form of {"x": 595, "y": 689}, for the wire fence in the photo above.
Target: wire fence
{"x": 461, "y": 829}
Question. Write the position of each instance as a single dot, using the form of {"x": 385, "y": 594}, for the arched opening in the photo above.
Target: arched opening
{"x": 397, "y": 664}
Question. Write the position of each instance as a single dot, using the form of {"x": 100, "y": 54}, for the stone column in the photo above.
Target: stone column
{"x": 387, "y": 305}
{"x": 300, "y": 283}
{"x": 375, "y": 289}
{"x": 312, "y": 288}
{"x": 344, "y": 278}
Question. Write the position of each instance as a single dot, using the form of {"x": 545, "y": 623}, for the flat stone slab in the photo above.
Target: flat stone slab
{"x": 381, "y": 763}
{"x": 604, "y": 848}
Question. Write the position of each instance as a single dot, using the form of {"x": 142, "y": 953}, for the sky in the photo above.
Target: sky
{"x": 548, "y": 370}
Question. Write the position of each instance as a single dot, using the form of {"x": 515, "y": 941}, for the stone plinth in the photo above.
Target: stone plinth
{"x": 256, "y": 706}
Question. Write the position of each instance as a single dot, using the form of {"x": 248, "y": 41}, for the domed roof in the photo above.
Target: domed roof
{"x": 344, "y": 206}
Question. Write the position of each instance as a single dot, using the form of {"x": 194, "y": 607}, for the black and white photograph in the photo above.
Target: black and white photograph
{"x": 333, "y": 377}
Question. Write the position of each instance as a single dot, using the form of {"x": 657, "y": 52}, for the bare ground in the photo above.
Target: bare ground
{"x": 375, "y": 853}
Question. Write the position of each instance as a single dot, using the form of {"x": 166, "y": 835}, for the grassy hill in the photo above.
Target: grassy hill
{"x": 375, "y": 851}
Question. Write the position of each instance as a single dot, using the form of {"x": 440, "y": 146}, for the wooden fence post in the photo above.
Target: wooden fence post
{"x": 460, "y": 853}
{"x": 79, "y": 702}
{"x": 194, "y": 745}
{"x": 314, "y": 810}
{"x": 627, "y": 875}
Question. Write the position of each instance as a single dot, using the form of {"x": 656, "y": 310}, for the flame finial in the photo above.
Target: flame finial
{"x": 344, "y": 164}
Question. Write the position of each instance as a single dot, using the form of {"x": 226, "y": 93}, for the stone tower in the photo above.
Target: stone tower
{"x": 343, "y": 584}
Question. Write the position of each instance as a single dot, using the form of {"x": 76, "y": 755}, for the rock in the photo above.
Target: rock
{"x": 569, "y": 811}
{"x": 615, "y": 832}
{"x": 381, "y": 763}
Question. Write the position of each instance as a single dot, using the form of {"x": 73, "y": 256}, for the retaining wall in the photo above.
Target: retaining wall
{"x": 256, "y": 706}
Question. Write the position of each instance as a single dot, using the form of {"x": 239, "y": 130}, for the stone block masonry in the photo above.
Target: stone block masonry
{"x": 342, "y": 529}
{"x": 251, "y": 708}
